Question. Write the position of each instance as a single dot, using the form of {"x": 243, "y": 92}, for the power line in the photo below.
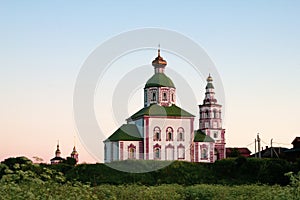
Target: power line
{"x": 250, "y": 144}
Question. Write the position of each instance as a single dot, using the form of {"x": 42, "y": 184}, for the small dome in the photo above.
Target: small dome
{"x": 159, "y": 80}
{"x": 209, "y": 79}
{"x": 159, "y": 61}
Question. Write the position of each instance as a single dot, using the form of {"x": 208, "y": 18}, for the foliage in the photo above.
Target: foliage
{"x": 21, "y": 179}
{"x": 228, "y": 171}
{"x": 49, "y": 190}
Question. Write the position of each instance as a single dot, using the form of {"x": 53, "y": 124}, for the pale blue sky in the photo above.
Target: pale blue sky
{"x": 254, "y": 44}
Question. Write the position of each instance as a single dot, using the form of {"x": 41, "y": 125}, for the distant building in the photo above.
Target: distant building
{"x": 237, "y": 151}
{"x": 294, "y": 153}
{"x": 272, "y": 152}
{"x": 58, "y": 159}
{"x": 75, "y": 154}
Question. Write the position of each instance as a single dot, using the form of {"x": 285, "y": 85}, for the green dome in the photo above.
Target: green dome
{"x": 159, "y": 80}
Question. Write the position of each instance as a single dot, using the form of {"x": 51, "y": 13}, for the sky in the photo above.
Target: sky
{"x": 43, "y": 45}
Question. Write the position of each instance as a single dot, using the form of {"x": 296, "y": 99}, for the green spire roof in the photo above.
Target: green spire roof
{"x": 159, "y": 80}
{"x": 127, "y": 132}
{"x": 157, "y": 110}
{"x": 200, "y": 136}
{"x": 209, "y": 86}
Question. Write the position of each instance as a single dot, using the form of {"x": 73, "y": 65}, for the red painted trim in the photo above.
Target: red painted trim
{"x": 141, "y": 150}
{"x": 192, "y": 140}
{"x": 197, "y": 151}
{"x": 147, "y": 137}
{"x": 121, "y": 150}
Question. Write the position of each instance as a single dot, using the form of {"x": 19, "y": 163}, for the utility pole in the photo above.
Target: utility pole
{"x": 255, "y": 148}
{"x": 272, "y": 148}
{"x": 258, "y": 146}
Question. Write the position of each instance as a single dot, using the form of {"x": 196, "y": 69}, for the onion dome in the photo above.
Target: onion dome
{"x": 159, "y": 79}
{"x": 159, "y": 61}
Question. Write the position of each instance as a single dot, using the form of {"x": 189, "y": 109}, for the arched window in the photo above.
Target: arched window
{"x": 165, "y": 96}
{"x": 206, "y": 114}
{"x": 169, "y": 152}
{"x": 172, "y": 97}
{"x": 153, "y": 96}
{"x": 169, "y": 134}
{"x": 181, "y": 152}
{"x": 156, "y": 134}
{"x": 215, "y": 114}
{"x": 131, "y": 151}
{"x": 204, "y": 153}
{"x": 180, "y": 134}
{"x": 157, "y": 153}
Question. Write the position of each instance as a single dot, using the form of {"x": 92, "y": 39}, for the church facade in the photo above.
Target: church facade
{"x": 163, "y": 131}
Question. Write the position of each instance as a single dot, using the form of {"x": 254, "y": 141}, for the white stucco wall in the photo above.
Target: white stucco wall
{"x": 163, "y": 124}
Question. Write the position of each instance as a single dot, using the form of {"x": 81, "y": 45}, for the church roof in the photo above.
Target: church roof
{"x": 57, "y": 158}
{"x": 200, "y": 136}
{"x": 157, "y": 110}
{"x": 127, "y": 132}
{"x": 159, "y": 80}
{"x": 209, "y": 86}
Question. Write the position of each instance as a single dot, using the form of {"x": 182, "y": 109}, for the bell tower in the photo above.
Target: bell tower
{"x": 210, "y": 120}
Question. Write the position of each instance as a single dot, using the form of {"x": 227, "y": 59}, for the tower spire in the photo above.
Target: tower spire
{"x": 158, "y": 51}
{"x": 57, "y": 152}
{"x": 210, "y": 93}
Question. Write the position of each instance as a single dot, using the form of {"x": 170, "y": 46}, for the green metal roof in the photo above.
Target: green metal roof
{"x": 209, "y": 86}
{"x": 159, "y": 80}
{"x": 200, "y": 136}
{"x": 157, "y": 110}
{"x": 127, "y": 132}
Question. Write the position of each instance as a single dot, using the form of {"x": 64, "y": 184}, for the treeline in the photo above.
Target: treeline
{"x": 227, "y": 172}
{"x": 235, "y": 171}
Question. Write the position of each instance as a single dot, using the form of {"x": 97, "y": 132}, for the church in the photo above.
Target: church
{"x": 163, "y": 131}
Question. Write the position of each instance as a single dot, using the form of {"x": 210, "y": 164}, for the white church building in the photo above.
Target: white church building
{"x": 163, "y": 131}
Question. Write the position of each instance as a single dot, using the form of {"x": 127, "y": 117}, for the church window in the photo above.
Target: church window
{"x": 169, "y": 134}
{"x": 215, "y": 114}
{"x": 153, "y": 96}
{"x": 146, "y": 98}
{"x": 204, "y": 153}
{"x": 206, "y": 125}
{"x": 180, "y": 134}
{"x": 172, "y": 96}
{"x": 181, "y": 152}
{"x": 157, "y": 153}
{"x": 156, "y": 134}
{"x": 105, "y": 152}
{"x": 207, "y": 114}
{"x": 165, "y": 96}
{"x": 131, "y": 151}
{"x": 169, "y": 152}
{"x": 215, "y": 134}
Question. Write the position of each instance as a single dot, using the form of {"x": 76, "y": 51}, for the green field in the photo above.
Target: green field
{"x": 169, "y": 191}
